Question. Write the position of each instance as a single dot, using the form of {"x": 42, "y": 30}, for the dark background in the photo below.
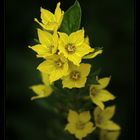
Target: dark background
{"x": 109, "y": 23}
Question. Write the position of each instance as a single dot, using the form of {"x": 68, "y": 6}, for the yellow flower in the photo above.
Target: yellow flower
{"x": 56, "y": 66}
{"x": 77, "y": 76}
{"x": 42, "y": 90}
{"x": 74, "y": 46}
{"x": 102, "y": 118}
{"x": 98, "y": 94}
{"x": 79, "y": 124}
{"x": 48, "y": 44}
{"x": 49, "y": 20}
{"x": 109, "y": 135}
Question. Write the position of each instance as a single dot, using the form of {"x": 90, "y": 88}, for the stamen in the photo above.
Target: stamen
{"x": 70, "y": 48}
{"x": 75, "y": 75}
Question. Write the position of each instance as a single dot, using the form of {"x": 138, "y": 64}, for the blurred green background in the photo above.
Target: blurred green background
{"x": 108, "y": 23}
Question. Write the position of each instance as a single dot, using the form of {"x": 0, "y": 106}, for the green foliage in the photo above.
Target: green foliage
{"x": 72, "y": 19}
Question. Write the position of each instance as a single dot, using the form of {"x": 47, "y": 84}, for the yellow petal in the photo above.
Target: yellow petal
{"x": 97, "y": 102}
{"x": 108, "y": 113}
{"x": 57, "y": 74}
{"x": 46, "y": 66}
{"x": 44, "y": 37}
{"x": 104, "y": 82}
{"x": 55, "y": 42}
{"x": 84, "y": 49}
{"x": 104, "y": 95}
{"x": 85, "y": 69}
{"x": 71, "y": 128}
{"x": 41, "y": 91}
{"x": 41, "y": 50}
{"x": 110, "y": 125}
{"x": 58, "y": 14}
{"x": 64, "y": 38}
{"x": 77, "y": 38}
{"x": 89, "y": 128}
{"x": 75, "y": 58}
{"x": 46, "y": 16}
{"x": 109, "y": 135}
{"x": 73, "y": 116}
{"x": 93, "y": 54}
{"x": 97, "y": 113}
{"x": 45, "y": 78}
{"x": 87, "y": 40}
{"x": 85, "y": 116}
{"x": 80, "y": 134}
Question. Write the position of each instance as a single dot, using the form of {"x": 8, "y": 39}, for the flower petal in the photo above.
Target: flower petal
{"x": 110, "y": 125}
{"x": 71, "y": 128}
{"x": 41, "y": 50}
{"x": 97, "y": 113}
{"x": 84, "y": 49}
{"x": 73, "y": 116}
{"x": 84, "y": 116}
{"x": 85, "y": 69}
{"x": 97, "y": 102}
{"x": 58, "y": 14}
{"x": 109, "y": 135}
{"x": 77, "y": 38}
{"x": 89, "y": 128}
{"x": 44, "y": 37}
{"x": 46, "y": 16}
{"x": 93, "y": 54}
{"x": 41, "y": 91}
{"x": 104, "y": 95}
{"x": 46, "y": 66}
{"x": 108, "y": 113}
{"x": 104, "y": 81}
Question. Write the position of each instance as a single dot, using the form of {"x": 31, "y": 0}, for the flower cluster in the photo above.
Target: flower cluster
{"x": 63, "y": 56}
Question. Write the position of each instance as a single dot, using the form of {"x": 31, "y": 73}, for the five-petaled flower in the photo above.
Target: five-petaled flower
{"x": 48, "y": 44}
{"x": 98, "y": 94}
{"x": 56, "y": 66}
{"x": 77, "y": 76}
{"x": 50, "y": 21}
{"x": 74, "y": 46}
{"x": 79, "y": 124}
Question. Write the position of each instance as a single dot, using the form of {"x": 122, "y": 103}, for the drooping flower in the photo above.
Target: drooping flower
{"x": 42, "y": 90}
{"x": 56, "y": 66}
{"x": 74, "y": 46}
{"x": 77, "y": 76}
{"x": 103, "y": 118}
{"x": 48, "y": 44}
{"x": 99, "y": 94}
{"x": 50, "y": 21}
{"x": 79, "y": 124}
{"x": 109, "y": 135}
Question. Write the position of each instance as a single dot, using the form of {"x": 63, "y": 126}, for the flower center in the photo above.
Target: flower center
{"x": 80, "y": 125}
{"x": 75, "y": 75}
{"x": 70, "y": 48}
{"x": 50, "y": 48}
{"x": 94, "y": 91}
{"x": 59, "y": 63}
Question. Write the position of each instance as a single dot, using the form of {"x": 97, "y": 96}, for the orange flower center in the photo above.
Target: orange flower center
{"x": 75, "y": 75}
{"x": 70, "y": 48}
{"x": 94, "y": 91}
{"x": 80, "y": 125}
{"x": 59, "y": 63}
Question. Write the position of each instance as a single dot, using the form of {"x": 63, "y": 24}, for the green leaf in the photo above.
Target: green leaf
{"x": 72, "y": 19}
